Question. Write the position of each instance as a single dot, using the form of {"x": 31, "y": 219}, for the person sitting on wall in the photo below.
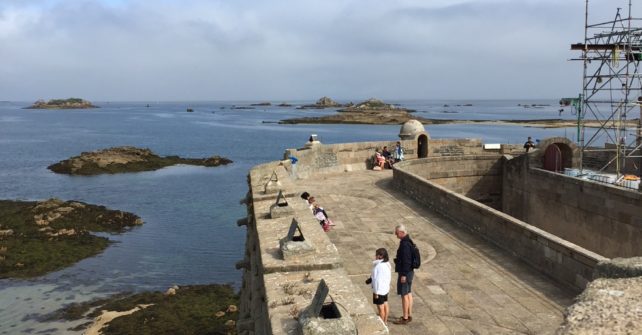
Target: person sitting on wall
{"x": 397, "y": 154}
{"x": 306, "y": 197}
{"x": 311, "y": 201}
{"x": 388, "y": 156}
{"x": 322, "y": 216}
{"x": 529, "y": 144}
{"x": 380, "y": 161}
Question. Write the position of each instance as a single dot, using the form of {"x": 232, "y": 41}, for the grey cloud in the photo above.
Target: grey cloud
{"x": 169, "y": 50}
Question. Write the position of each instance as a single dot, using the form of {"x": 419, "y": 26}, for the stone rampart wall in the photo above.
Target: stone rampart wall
{"x": 477, "y": 177}
{"x": 562, "y": 260}
{"x": 278, "y": 286}
{"x": 344, "y": 157}
{"x": 332, "y": 158}
{"x": 602, "y": 218}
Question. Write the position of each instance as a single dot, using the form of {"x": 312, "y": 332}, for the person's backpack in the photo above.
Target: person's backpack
{"x": 416, "y": 256}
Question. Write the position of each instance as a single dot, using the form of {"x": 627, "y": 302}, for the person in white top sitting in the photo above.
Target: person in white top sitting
{"x": 380, "y": 281}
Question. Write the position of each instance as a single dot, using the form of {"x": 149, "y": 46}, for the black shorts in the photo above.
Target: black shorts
{"x": 379, "y": 299}
{"x": 405, "y": 288}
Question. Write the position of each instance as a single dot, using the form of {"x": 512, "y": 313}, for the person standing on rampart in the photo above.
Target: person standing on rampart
{"x": 380, "y": 282}
{"x": 397, "y": 154}
{"x": 529, "y": 144}
{"x": 403, "y": 266}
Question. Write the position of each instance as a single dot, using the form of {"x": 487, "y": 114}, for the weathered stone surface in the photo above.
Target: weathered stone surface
{"x": 320, "y": 326}
{"x": 619, "y": 268}
{"x": 607, "y": 306}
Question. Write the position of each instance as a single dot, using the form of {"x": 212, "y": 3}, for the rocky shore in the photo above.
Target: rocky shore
{"x": 322, "y": 103}
{"x": 198, "y": 309}
{"x": 44, "y": 236}
{"x": 371, "y": 111}
{"x": 71, "y": 103}
{"x": 126, "y": 159}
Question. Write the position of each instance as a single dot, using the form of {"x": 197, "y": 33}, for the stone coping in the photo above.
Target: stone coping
{"x": 289, "y": 293}
{"x": 271, "y": 231}
{"x": 583, "y": 255}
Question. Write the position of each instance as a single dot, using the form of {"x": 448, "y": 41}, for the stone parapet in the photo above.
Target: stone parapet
{"x": 564, "y": 261}
{"x": 279, "y": 284}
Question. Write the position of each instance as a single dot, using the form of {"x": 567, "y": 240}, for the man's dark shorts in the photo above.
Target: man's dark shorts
{"x": 405, "y": 288}
{"x": 379, "y": 299}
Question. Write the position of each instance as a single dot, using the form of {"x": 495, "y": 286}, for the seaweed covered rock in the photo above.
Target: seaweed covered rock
{"x": 197, "y": 309}
{"x": 71, "y": 103}
{"x": 52, "y": 234}
{"x": 126, "y": 159}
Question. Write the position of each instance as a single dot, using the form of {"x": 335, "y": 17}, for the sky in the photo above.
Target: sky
{"x": 280, "y": 50}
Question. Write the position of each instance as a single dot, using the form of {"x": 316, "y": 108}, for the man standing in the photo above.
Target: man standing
{"x": 403, "y": 266}
{"x": 529, "y": 144}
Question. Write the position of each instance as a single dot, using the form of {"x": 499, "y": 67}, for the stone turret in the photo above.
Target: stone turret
{"x": 411, "y": 130}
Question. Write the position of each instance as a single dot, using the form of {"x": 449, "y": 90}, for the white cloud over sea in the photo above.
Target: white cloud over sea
{"x": 280, "y": 50}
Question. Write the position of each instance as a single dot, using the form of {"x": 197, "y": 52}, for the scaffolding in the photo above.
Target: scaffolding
{"x": 612, "y": 93}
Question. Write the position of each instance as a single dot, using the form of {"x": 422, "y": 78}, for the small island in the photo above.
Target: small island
{"x": 194, "y": 309}
{"x": 126, "y": 159}
{"x": 372, "y": 111}
{"x": 40, "y": 237}
{"x": 322, "y": 103}
{"x": 71, "y": 103}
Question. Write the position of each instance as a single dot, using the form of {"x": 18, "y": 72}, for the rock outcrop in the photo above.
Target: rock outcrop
{"x": 371, "y": 111}
{"x": 373, "y": 104}
{"x": 324, "y": 102}
{"x": 71, "y": 103}
{"x": 126, "y": 159}
{"x": 40, "y": 230}
{"x": 611, "y": 303}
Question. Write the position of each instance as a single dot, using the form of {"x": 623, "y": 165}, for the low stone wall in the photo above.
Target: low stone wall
{"x": 602, "y": 218}
{"x": 278, "y": 288}
{"x": 344, "y": 157}
{"x": 454, "y": 147}
{"x": 332, "y": 158}
{"x": 562, "y": 260}
{"x": 477, "y": 177}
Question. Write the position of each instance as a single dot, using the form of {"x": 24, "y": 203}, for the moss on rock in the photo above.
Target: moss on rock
{"x": 126, "y": 159}
{"x": 45, "y": 236}
{"x": 198, "y": 309}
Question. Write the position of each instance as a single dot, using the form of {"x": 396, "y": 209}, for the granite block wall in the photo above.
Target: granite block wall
{"x": 560, "y": 259}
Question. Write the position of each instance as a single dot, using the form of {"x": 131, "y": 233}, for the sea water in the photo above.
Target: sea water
{"x": 190, "y": 234}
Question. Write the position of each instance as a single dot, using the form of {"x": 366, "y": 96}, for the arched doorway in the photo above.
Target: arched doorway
{"x": 422, "y": 146}
{"x": 557, "y": 157}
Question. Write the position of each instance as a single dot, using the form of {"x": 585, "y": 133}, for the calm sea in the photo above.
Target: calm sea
{"x": 190, "y": 234}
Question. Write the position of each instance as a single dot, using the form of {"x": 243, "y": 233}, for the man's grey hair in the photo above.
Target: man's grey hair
{"x": 401, "y": 228}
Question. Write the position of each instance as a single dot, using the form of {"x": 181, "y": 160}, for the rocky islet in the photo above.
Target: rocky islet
{"x": 126, "y": 159}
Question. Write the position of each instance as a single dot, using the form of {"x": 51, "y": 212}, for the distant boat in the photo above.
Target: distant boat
{"x": 189, "y": 110}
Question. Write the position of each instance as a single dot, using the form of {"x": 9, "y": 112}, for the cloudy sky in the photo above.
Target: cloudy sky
{"x": 167, "y": 50}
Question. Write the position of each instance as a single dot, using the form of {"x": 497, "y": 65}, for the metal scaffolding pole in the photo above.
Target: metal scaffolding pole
{"x": 611, "y": 91}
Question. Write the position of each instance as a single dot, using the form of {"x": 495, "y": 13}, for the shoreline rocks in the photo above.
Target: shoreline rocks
{"x": 126, "y": 159}
{"x": 71, "y": 103}
{"x": 192, "y": 309}
{"x": 323, "y": 102}
{"x": 54, "y": 227}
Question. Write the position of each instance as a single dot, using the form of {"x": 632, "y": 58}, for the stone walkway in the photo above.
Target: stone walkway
{"x": 465, "y": 286}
